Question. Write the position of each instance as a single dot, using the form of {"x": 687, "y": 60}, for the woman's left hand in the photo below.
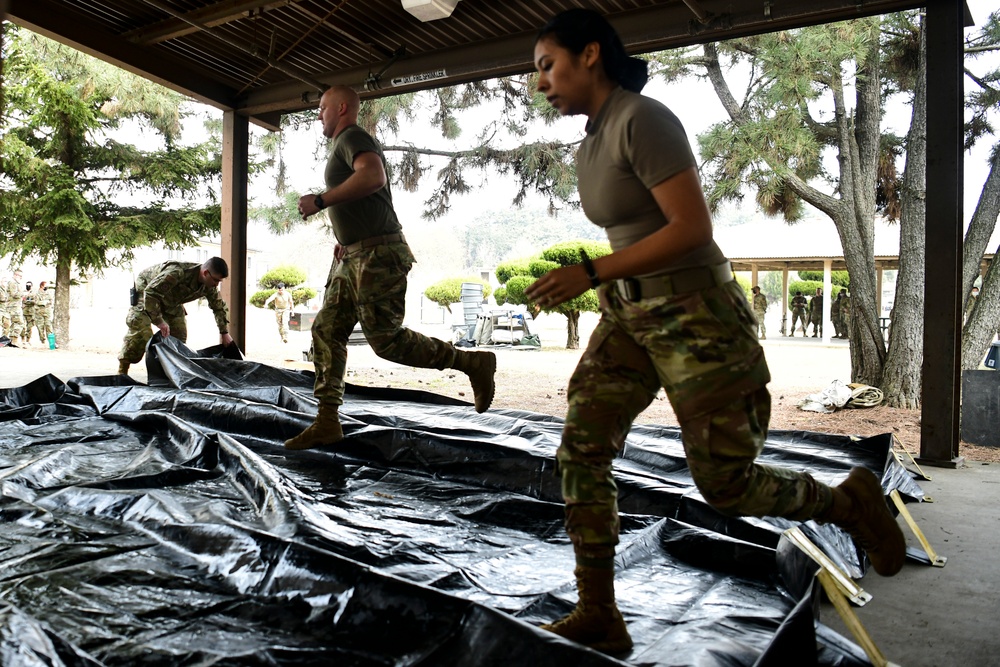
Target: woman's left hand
{"x": 558, "y": 286}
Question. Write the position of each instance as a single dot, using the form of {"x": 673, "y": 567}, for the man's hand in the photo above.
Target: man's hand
{"x": 338, "y": 252}
{"x": 164, "y": 329}
{"x": 225, "y": 339}
{"x": 307, "y": 206}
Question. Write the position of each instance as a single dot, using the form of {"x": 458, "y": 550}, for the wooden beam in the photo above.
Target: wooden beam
{"x": 235, "y": 170}
{"x": 940, "y": 401}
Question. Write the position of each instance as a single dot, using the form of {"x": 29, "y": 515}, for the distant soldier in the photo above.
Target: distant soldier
{"x": 816, "y": 312}
{"x": 4, "y": 316}
{"x": 845, "y": 314}
{"x": 12, "y": 306}
{"x": 28, "y": 312}
{"x": 799, "y": 306}
{"x": 160, "y": 294}
{"x": 759, "y": 308}
{"x": 838, "y": 325}
{"x": 282, "y": 304}
{"x": 43, "y": 311}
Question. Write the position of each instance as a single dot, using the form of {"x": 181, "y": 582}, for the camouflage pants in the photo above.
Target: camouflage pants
{"x": 817, "y": 321}
{"x": 761, "y": 329}
{"x": 279, "y": 315}
{"x": 799, "y": 316}
{"x": 140, "y": 330}
{"x": 43, "y": 322}
{"x": 702, "y": 349}
{"x": 28, "y": 312}
{"x": 12, "y": 309}
{"x": 369, "y": 286}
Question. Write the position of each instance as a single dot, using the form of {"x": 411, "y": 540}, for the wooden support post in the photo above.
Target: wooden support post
{"x": 940, "y": 401}
{"x": 235, "y": 168}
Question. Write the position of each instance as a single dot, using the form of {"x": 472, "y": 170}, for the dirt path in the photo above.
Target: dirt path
{"x": 527, "y": 379}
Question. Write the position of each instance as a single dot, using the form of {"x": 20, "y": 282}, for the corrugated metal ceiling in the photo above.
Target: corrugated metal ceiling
{"x": 267, "y": 57}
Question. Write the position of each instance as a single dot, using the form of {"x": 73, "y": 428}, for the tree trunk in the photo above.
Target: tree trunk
{"x": 901, "y": 382}
{"x": 573, "y": 330}
{"x": 857, "y": 233}
{"x": 984, "y": 320}
{"x": 60, "y": 308}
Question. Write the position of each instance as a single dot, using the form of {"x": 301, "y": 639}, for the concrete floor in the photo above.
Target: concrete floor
{"x": 923, "y": 617}
{"x": 942, "y": 617}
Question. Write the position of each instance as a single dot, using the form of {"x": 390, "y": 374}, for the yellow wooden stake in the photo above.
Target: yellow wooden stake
{"x": 936, "y": 560}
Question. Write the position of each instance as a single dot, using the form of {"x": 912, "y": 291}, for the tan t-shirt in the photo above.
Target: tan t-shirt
{"x": 634, "y": 144}
{"x": 369, "y": 216}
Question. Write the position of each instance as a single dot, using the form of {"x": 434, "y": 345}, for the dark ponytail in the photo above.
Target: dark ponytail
{"x": 574, "y": 29}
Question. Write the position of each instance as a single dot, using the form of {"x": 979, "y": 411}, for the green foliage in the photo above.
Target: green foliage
{"x": 807, "y": 287}
{"x": 290, "y": 275}
{"x": 539, "y": 267}
{"x": 745, "y": 285}
{"x": 500, "y": 296}
{"x": 517, "y": 275}
{"x": 514, "y": 290}
{"x": 448, "y": 291}
{"x": 836, "y": 277}
{"x": 495, "y": 235}
{"x": 570, "y": 252}
{"x": 65, "y": 171}
{"x": 299, "y": 296}
{"x": 516, "y": 267}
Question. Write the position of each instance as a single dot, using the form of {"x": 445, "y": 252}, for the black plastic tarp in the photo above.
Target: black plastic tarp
{"x": 165, "y": 524}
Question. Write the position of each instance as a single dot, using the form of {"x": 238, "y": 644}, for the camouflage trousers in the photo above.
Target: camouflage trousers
{"x": 28, "y": 312}
{"x": 817, "y": 321}
{"x": 799, "y": 316}
{"x": 701, "y": 347}
{"x": 43, "y": 322}
{"x": 12, "y": 310}
{"x": 279, "y": 315}
{"x": 761, "y": 330}
{"x": 369, "y": 286}
{"x": 140, "y": 330}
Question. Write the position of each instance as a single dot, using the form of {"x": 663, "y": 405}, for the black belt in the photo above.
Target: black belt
{"x": 373, "y": 241}
{"x": 678, "y": 282}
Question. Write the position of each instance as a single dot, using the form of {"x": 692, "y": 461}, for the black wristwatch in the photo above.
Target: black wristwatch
{"x": 588, "y": 266}
{"x": 318, "y": 201}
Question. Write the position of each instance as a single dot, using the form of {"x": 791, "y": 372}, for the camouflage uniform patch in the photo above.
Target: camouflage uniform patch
{"x": 369, "y": 286}
{"x": 702, "y": 348}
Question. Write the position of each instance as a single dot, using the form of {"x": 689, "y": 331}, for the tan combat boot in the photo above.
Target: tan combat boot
{"x": 14, "y": 340}
{"x": 859, "y": 507}
{"x": 325, "y": 430}
{"x": 123, "y": 367}
{"x": 481, "y": 367}
{"x": 596, "y": 621}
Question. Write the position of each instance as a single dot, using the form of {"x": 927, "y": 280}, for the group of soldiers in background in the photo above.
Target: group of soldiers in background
{"x": 810, "y": 311}
{"x": 24, "y": 310}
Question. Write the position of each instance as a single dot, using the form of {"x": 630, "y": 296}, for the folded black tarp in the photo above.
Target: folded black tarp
{"x": 167, "y": 525}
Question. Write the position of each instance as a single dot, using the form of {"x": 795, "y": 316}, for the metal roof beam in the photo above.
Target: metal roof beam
{"x": 216, "y": 14}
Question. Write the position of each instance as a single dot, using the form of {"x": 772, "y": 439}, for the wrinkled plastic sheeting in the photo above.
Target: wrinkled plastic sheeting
{"x": 167, "y": 525}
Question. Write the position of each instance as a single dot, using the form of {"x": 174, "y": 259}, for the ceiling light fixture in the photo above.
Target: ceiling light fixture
{"x": 430, "y": 10}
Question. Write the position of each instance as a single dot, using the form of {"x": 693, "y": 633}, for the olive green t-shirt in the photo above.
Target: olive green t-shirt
{"x": 633, "y": 144}
{"x": 366, "y": 217}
